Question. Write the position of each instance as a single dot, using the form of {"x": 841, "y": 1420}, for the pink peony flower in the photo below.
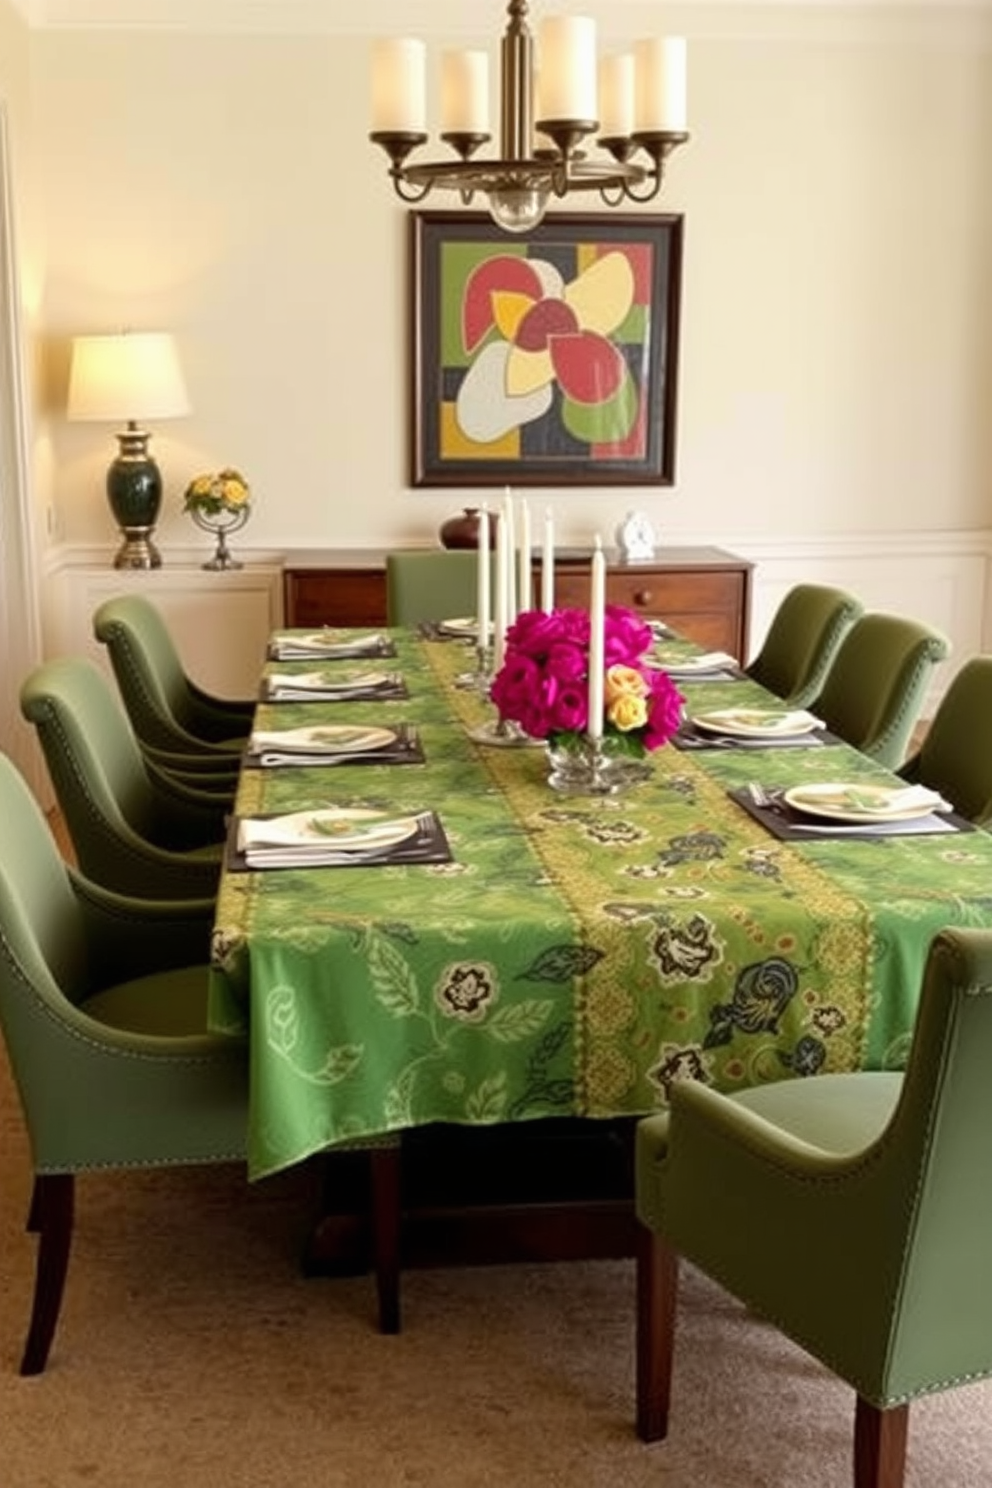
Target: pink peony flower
{"x": 543, "y": 684}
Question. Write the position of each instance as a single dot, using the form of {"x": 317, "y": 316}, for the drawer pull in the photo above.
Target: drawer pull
{"x": 643, "y": 597}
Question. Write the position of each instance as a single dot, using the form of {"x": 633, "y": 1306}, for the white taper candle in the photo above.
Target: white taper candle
{"x": 597, "y": 641}
{"x": 548, "y": 565}
{"x": 525, "y": 583}
{"x": 500, "y": 622}
{"x": 509, "y": 526}
{"x": 482, "y": 606}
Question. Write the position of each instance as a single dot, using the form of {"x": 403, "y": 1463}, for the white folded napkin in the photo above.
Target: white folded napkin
{"x": 303, "y": 648}
{"x": 289, "y": 686}
{"x": 709, "y": 661}
{"x": 314, "y": 837}
{"x": 908, "y": 798}
{"x": 329, "y": 740}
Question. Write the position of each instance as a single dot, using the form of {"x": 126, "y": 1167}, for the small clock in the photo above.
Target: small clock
{"x": 635, "y": 537}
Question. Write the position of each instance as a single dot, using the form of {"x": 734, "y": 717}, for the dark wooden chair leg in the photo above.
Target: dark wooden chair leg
{"x": 880, "y": 1445}
{"x": 657, "y": 1290}
{"x": 33, "y": 1224}
{"x": 52, "y": 1211}
{"x": 386, "y": 1216}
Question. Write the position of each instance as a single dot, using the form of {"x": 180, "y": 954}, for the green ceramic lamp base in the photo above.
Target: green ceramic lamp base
{"x": 134, "y": 491}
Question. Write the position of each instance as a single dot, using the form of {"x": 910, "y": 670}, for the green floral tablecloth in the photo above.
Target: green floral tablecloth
{"x": 577, "y": 956}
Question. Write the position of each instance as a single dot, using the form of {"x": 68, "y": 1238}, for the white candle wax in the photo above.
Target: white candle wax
{"x": 566, "y": 52}
{"x": 399, "y": 86}
{"x": 548, "y": 565}
{"x": 660, "y": 84}
{"x": 500, "y": 622}
{"x": 524, "y": 580}
{"x": 483, "y": 608}
{"x": 464, "y": 92}
{"x": 597, "y": 641}
{"x": 616, "y": 96}
{"x": 509, "y": 527}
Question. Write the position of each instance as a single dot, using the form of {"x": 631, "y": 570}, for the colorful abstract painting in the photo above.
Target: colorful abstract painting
{"x": 548, "y": 359}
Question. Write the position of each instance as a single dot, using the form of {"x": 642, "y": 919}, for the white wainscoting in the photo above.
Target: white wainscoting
{"x": 943, "y": 579}
{"x": 220, "y": 621}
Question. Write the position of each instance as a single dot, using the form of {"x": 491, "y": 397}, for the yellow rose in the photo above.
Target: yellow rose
{"x": 623, "y": 681}
{"x": 233, "y": 492}
{"x": 627, "y": 711}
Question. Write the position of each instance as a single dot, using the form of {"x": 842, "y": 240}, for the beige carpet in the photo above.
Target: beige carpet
{"x": 192, "y": 1354}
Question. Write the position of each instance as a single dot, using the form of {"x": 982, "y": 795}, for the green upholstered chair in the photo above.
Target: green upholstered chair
{"x": 103, "y": 1004}
{"x": 802, "y": 640}
{"x": 134, "y": 828}
{"x": 431, "y": 586}
{"x": 854, "y": 1212}
{"x": 877, "y": 684}
{"x": 103, "y": 1009}
{"x": 168, "y": 711}
{"x": 955, "y": 757}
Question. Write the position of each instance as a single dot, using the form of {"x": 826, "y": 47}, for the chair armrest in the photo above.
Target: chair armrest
{"x": 187, "y": 815}
{"x": 220, "y": 718}
{"x": 134, "y": 937}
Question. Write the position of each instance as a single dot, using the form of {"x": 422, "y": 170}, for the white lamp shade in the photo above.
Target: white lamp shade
{"x": 126, "y": 376}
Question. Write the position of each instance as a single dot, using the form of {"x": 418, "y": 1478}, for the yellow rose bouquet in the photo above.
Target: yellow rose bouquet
{"x": 226, "y": 491}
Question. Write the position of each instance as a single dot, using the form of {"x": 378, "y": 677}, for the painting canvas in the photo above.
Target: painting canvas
{"x": 546, "y": 359}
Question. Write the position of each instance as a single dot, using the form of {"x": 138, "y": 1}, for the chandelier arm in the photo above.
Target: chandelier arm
{"x": 612, "y": 197}
{"x": 406, "y": 193}
{"x": 642, "y": 196}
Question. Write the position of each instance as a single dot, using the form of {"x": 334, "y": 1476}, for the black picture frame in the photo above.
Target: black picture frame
{"x": 575, "y": 325}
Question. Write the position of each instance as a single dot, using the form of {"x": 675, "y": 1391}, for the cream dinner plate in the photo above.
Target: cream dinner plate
{"x": 851, "y": 802}
{"x": 328, "y": 738}
{"x": 462, "y": 625}
{"x": 338, "y": 828}
{"x": 758, "y": 723}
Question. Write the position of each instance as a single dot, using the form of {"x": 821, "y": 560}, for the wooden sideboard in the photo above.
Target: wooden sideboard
{"x": 702, "y": 592}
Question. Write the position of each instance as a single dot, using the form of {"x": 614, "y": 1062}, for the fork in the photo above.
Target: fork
{"x": 771, "y": 800}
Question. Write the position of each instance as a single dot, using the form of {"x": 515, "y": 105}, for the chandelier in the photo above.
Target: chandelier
{"x": 635, "y": 103}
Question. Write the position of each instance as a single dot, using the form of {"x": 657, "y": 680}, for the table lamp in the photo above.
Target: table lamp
{"x": 129, "y": 377}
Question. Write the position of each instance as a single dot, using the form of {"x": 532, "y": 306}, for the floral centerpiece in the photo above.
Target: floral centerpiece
{"x": 543, "y": 683}
{"x": 219, "y": 503}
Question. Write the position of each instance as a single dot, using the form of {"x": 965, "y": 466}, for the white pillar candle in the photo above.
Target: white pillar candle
{"x": 399, "y": 87}
{"x": 548, "y": 565}
{"x": 597, "y": 641}
{"x": 464, "y": 93}
{"x": 509, "y": 527}
{"x": 501, "y": 620}
{"x": 660, "y": 85}
{"x": 525, "y": 583}
{"x": 482, "y": 606}
{"x": 616, "y": 96}
{"x": 567, "y": 59}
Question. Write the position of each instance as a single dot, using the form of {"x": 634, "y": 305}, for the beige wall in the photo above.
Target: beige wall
{"x": 836, "y": 353}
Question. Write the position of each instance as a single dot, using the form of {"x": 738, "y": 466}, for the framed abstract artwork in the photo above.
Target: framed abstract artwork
{"x": 544, "y": 360}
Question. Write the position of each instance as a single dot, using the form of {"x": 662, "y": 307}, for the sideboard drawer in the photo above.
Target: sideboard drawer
{"x": 707, "y": 605}
{"x": 341, "y": 596}
{"x": 701, "y": 592}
